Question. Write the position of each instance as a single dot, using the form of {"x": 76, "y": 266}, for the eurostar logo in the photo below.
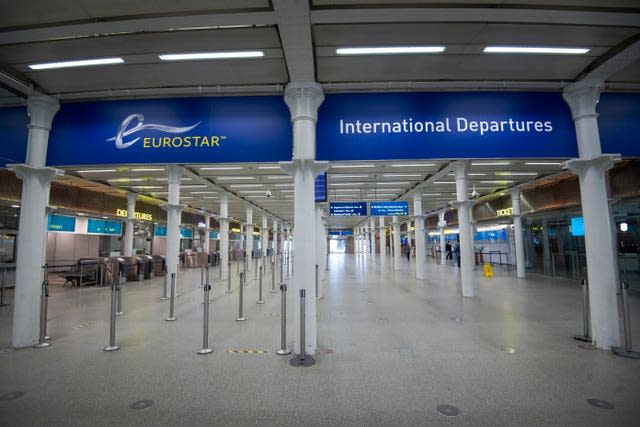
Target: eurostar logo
{"x": 140, "y": 126}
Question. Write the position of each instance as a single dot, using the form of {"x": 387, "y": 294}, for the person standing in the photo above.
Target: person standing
{"x": 447, "y": 248}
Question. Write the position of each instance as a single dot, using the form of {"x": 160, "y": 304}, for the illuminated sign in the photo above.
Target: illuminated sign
{"x": 186, "y": 233}
{"x": 160, "y": 231}
{"x": 213, "y": 235}
{"x": 577, "y": 226}
{"x": 504, "y": 212}
{"x": 348, "y": 209}
{"x": 389, "y": 208}
{"x": 100, "y": 226}
{"x": 61, "y": 223}
{"x": 321, "y": 188}
{"x": 137, "y": 215}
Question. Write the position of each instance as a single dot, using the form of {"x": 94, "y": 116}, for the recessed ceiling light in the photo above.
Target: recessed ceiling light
{"x": 221, "y": 168}
{"x": 76, "y": 63}
{"x": 15, "y": 206}
{"x": 388, "y": 50}
{"x": 96, "y": 171}
{"x": 211, "y": 55}
{"x": 537, "y": 49}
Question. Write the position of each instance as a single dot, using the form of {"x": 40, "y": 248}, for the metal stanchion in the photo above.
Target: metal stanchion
{"x": 260, "y": 300}
{"x": 288, "y": 265}
{"x": 302, "y": 359}
{"x": 4, "y": 276}
{"x": 112, "y": 325}
{"x": 244, "y": 267}
{"x": 228, "y": 291}
{"x": 241, "y": 300}
{"x": 172, "y": 301}
{"x": 273, "y": 277}
{"x": 317, "y": 295}
{"x": 292, "y": 266}
{"x": 237, "y": 268}
{"x": 281, "y": 269}
{"x": 164, "y": 296}
{"x": 283, "y": 350}
{"x": 326, "y": 264}
{"x": 205, "y": 327}
{"x": 220, "y": 268}
{"x": 586, "y": 337}
{"x": 119, "y": 288}
{"x": 44, "y": 301}
{"x": 627, "y": 351}
{"x": 255, "y": 268}
{"x": 201, "y": 277}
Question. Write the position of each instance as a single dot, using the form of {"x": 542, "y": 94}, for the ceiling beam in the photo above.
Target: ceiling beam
{"x": 468, "y": 14}
{"x": 294, "y": 26}
{"x": 613, "y": 61}
{"x": 129, "y": 26}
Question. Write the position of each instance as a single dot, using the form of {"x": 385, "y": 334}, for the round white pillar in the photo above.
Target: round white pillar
{"x": 463, "y": 204}
{"x": 174, "y": 214}
{"x": 397, "y": 255}
{"x": 517, "y": 232}
{"x": 442, "y": 223}
{"x": 421, "y": 258}
{"x": 248, "y": 237}
{"x": 223, "y": 220}
{"x": 128, "y": 235}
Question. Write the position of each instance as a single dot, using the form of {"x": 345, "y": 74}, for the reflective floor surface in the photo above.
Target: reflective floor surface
{"x": 392, "y": 351}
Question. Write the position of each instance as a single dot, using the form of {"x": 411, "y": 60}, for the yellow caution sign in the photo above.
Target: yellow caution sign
{"x": 488, "y": 271}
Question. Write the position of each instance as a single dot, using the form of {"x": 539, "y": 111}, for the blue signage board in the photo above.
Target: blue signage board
{"x": 13, "y": 122}
{"x": 196, "y": 130}
{"x": 321, "y": 188}
{"x": 619, "y": 123}
{"x": 160, "y": 231}
{"x": 101, "y": 226}
{"x": 348, "y": 209}
{"x": 577, "y": 226}
{"x": 61, "y": 223}
{"x": 186, "y": 233}
{"x": 213, "y": 235}
{"x": 400, "y": 207}
{"x": 340, "y": 233}
{"x": 384, "y": 126}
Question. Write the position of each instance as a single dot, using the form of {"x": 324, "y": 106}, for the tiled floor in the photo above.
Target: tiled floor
{"x": 391, "y": 350}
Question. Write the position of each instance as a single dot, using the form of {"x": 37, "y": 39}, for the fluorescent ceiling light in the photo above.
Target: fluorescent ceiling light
{"x": 345, "y": 189}
{"x": 230, "y": 178}
{"x": 204, "y": 192}
{"x": 394, "y": 183}
{"x": 412, "y": 165}
{"x": 221, "y": 168}
{"x": 97, "y": 171}
{"x": 536, "y": 49}
{"x": 187, "y": 197}
{"x": 444, "y": 182}
{"x": 15, "y": 206}
{"x": 211, "y": 197}
{"x": 496, "y": 182}
{"x": 474, "y": 174}
{"x": 147, "y": 170}
{"x": 245, "y": 185}
{"x": 347, "y": 183}
{"x": 388, "y": 50}
{"x": 490, "y": 163}
{"x": 167, "y": 179}
{"x": 391, "y": 189}
{"x": 401, "y": 175}
{"x": 544, "y": 163}
{"x": 348, "y": 176}
{"x": 268, "y": 167}
{"x": 431, "y": 194}
{"x": 193, "y": 186}
{"x": 516, "y": 173}
{"x": 351, "y": 166}
{"x": 145, "y": 187}
{"x": 126, "y": 180}
{"x": 284, "y": 185}
{"x": 251, "y": 191}
{"x": 278, "y": 177}
{"x": 211, "y": 55}
{"x": 76, "y": 63}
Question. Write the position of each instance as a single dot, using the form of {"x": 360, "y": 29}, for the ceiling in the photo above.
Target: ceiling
{"x": 299, "y": 40}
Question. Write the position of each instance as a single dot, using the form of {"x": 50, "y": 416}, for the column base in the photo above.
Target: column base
{"x": 625, "y": 353}
{"x": 307, "y": 361}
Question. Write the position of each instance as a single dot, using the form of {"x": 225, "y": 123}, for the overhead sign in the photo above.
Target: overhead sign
{"x": 348, "y": 209}
{"x": 186, "y": 233}
{"x": 137, "y": 215}
{"x": 214, "y": 235}
{"x": 379, "y": 126}
{"x": 577, "y": 226}
{"x": 340, "y": 233}
{"x": 61, "y": 223}
{"x": 196, "y": 130}
{"x": 504, "y": 212}
{"x": 619, "y": 123}
{"x": 101, "y": 226}
{"x": 160, "y": 231}
{"x": 321, "y": 188}
{"x": 13, "y": 122}
{"x": 400, "y": 207}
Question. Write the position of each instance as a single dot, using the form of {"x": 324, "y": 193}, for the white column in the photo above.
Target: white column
{"x": 31, "y": 244}
{"x": 463, "y": 204}
{"x": 128, "y": 234}
{"x": 397, "y": 255}
{"x": 206, "y": 244}
{"x": 442, "y": 223}
{"x": 274, "y": 244}
{"x": 409, "y": 236}
{"x": 174, "y": 214}
{"x": 303, "y": 100}
{"x": 591, "y": 169}
{"x": 516, "y": 216}
{"x": 421, "y": 258}
{"x": 372, "y": 235}
{"x": 248, "y": 236}
{"x": 223, "y": 220}
{"x": 546, "y": 248}
{"x": 381, "y": 242}
{"x": 321, "y": 245}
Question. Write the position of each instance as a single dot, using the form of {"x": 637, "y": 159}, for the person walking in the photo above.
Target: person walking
{"x": 447, "y": 248}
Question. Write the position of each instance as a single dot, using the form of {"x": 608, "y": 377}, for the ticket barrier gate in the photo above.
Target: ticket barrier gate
{"x": 134, "y": 269}
{"x": 159, "y": 265}
{"x": 214, "y": 259}
{"x": 146, "y": 266}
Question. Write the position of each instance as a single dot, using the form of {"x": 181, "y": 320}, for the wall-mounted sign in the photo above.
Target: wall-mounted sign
{"x": 196, "y": 130}
{"x": 186, "y": 233}
{"x": 504, "y": 212}
{"x": 379, "y": 126}
{"x": 577, "y": 226}
{"x": 137, "y": 215}
{"x": 348, "y": 209}
{"x": 321, "y": 187}
{"x": 160, "y": 231}
{"x": 61, "y": 223}
{"x": 101, "y": 226}
{"x": 213, "y": 235}
{"x": 400, "y": 207}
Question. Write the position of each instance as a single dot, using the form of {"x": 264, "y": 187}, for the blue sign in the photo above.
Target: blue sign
{"x": 577, "y": 226}
{"x": 186, "y": 233}
{"x": 400, "y": 207}
{"x": 101, "y": 226}
{"x": 348, "y": 209}
{"x": 197, "y": 130}
{"x": 13, "y": 122}
{"x": 340, "y": 233}
{"x": 619, "y": 123}
{"x": 382, "y": 126}
{"x": 213, "y": 235}
{"x": 61, "y": 223}
{"x": 321, "y": 187}
{"x": 160, "y": 231}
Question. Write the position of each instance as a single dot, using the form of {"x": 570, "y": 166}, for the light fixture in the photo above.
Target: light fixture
{"x": 193, "y": 186}
{"x": 346, "y": 183}
{"x": 81, "y": 214}
{"x": 333, "y": 175}
{"x": 431, "y": 194}
{"x": 394, "y": 183}
{"x": 289, "y": 184}
{"x": 278, "y": 177}
{"x": 244, "y": 185}
{"x": 198, "y": 56}
{"x": 516, "y": 173}
{"x": 351, "y": 166}
{"x": 544, "y": 163}
{"x": 402, "y": 175}
{"x": 490, "y": 163}
{"x": 96, "y": 171}
{"x": 497, "y": 182}
{"x": 537, "y": 49}
{"x": 221, "y": 168}
{"x": 126, "y": 180}
{"x": 444, "y": 182}
{"x": 76, "y": 63}
{"x": 147, "y": 170}
{"x": 145, "y": 187}
{"x": 388, "y": 50}
{"x": 204, "y": 192}
{"x": 413, "y": 165}
{"x": 624, "y": 226}
{"x": 268, "y": 167}
{"x": 15, "y": 206}
{"x": 240, "y": 178}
